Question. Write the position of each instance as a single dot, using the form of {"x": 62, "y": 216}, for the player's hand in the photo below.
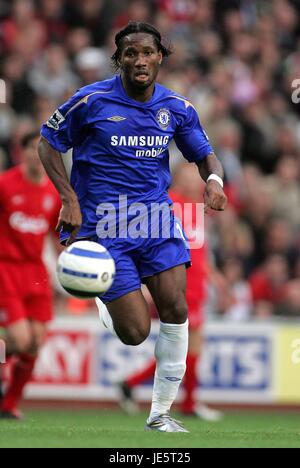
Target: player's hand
{"x": 70, "y": 219}
{"x": 214, "y": 197}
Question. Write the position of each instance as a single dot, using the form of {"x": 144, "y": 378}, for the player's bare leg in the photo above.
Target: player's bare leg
{"x": 38, "y": 333}
{"x": 127, "y": 317}
{"x": 130, "y": 318}
{"x": 168, "y": 292}
{"x": 18, "y": 337}
{"x": 131, "y": 322}
{"x": 24, "y": 338}
{"x": 18, "y": 340}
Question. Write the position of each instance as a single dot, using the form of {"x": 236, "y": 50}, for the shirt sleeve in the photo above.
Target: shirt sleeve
{"x": 190, "y": 137}
{"x": 67, "y": 127}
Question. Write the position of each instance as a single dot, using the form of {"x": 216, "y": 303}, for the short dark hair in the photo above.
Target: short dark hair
{"x": 138, "y": 27}
{"x": 28, "y": 137}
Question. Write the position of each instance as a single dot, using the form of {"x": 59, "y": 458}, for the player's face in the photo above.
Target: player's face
{"x": 140, "y": 60}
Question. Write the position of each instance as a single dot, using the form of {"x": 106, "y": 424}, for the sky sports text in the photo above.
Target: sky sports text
{"x": 2, "y": 352}
{"x": 154, "y": 221}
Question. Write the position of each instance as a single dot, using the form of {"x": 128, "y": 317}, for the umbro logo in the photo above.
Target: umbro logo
{"x": 116, "y": 118}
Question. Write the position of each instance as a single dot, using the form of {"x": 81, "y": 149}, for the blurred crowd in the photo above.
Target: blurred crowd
{"x": 236, "y": 60}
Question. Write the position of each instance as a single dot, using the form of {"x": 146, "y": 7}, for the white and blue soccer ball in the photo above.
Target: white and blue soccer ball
{"x": 86, "y": 269}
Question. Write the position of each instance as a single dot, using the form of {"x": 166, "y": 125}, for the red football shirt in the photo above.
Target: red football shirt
{"x": 28, "y": 212}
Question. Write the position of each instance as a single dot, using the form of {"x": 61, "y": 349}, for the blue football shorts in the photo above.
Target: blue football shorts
{"x": 137, "y": 259}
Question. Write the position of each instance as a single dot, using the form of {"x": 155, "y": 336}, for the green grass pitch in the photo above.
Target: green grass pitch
{"x": 113, "y": 429}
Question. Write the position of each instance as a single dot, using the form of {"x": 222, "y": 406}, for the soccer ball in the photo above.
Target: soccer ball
{"x": 86, "y": 269}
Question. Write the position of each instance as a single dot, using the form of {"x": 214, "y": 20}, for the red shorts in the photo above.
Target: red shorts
{"x": 25, "y": 293}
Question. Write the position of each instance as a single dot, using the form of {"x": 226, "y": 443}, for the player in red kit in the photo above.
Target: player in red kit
{"x": 186, "y": 189}
{"x": 29, "y": 207}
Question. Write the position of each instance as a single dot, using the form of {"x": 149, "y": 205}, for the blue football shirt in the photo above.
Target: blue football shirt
{"x": 120, "y": 146}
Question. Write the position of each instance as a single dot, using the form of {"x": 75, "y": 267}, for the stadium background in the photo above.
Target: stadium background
{"x": 237, "y": 62}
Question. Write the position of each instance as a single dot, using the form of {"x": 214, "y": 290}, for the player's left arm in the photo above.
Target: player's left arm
{"x": 194, "y": 144}
{"x": 214, "y": 195}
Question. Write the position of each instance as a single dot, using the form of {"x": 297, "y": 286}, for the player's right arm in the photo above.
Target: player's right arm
{"x": 70, "y": 218}
{"x": 64, "y": 130}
